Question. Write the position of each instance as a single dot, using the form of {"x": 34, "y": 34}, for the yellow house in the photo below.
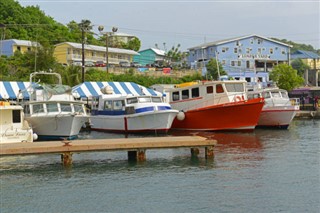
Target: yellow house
{"x": 8, "y": 47}
{"x": 69, "y": 53}
{"x": 309, "y": 58}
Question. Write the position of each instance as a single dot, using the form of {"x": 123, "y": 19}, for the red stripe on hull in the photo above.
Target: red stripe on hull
{"x": 237, "y": 115}
{"x": 132, "y": 131}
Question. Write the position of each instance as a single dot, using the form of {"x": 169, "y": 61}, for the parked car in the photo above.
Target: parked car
{"x": 100, "y": 64}
{"x": 135, "y": 64}
{"x": 77, "y": 63}
{"x": 89, "y": 64}
{"x": 124, "y": 64}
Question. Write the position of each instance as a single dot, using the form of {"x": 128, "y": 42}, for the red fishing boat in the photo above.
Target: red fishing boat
{"x": 212, "y": 105}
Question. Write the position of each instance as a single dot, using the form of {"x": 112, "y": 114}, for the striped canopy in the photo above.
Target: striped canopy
{"x": 10, "y": 89}
{"x": 93, "y": 89}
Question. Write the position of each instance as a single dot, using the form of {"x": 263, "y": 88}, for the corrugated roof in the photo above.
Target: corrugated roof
{"x": 304, "y": 54}
{"x": 223, "y": 41}
{"x": 100, "y": 48}
{"x": 23, "y": 42}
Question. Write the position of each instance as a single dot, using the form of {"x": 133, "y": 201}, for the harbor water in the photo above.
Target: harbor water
{"x": 262, "y": 171}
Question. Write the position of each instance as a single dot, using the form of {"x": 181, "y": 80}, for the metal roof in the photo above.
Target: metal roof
{"x": 93, "y": 89}
{"x": 304, "y": 54}
{"x": 22, "y": 42}
{"x": 219, "y": 42}
{"x": 100, "y": 48}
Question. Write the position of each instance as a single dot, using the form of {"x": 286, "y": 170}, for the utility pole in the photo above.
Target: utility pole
{"x": 82, "y": 42}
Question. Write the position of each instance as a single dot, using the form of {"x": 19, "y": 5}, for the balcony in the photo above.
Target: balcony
{"x": 77, "y": 57}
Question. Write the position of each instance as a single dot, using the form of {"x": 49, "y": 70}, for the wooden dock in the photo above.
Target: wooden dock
{"x": 136, "y": 147}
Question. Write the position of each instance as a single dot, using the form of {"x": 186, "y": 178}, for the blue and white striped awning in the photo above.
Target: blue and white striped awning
{"x": 11, "y": 89}
{"x": 93, "y": 89}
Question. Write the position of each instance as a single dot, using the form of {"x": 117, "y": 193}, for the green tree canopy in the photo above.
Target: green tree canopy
{"x": 298, "y": 65}
{"x": 212, "y": 69}
{"x": 286, "y": 77}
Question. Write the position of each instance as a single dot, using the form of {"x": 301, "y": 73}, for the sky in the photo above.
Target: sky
{"x": 190, "y": 23}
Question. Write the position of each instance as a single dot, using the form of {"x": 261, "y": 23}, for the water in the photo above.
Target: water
{"x": 264, "y": 171}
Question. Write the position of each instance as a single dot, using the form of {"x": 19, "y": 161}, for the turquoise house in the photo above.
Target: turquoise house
{"x": 149, "y": 56}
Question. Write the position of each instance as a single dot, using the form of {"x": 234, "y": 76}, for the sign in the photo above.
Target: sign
{"x": 253, "y": 56}
{"x": 166, "y": 70}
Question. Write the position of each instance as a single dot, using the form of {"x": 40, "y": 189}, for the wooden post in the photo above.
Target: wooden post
{"x": 194, "y": 152}
{"x": 66, "y": 158}
{"x": 209, "y": 154}
{"x": 137, "y": 155}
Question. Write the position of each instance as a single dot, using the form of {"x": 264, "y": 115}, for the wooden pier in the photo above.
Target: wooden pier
{"x": 136, "y": 147}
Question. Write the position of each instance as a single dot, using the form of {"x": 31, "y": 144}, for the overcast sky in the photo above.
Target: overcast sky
{"x": 191, "y": 23}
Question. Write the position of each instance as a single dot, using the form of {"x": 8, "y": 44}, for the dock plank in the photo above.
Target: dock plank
{"x": 104, "y": 145}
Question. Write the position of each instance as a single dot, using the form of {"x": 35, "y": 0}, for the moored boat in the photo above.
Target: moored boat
{"x": 130, "y": 113}
{"x": 52, "y": 110}
{"x": 13, "y": 127}
{"x": 212, "y": 105}
{"x": 278, "y": 110}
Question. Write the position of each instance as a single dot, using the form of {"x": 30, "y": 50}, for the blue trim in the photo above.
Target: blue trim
{"x": 91, "y": 89}
{"x": 108, "y": 112}
{"x": 163, "y": 108}
{"x": 54, "y": 137}
{"x": 100, "y": 84}
{"x": 81, "y": 93}
{"x": 124, "y": 86}
{"x": 152, "y": 92}
{"x": 9, "y": 90}
{"x": 136, "y": 88}
{"x": 145, "y": 109}
{"x": 115, "y": 89}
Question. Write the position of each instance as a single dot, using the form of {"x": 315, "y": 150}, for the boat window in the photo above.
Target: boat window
{"x": 156, "y": 99}
{"x": 26, "y": 109}
{"x": 185, "y": 94}
{"x": 144, "y": 99}
{"x": 284, "y": 94}
{"x": 266, "y": 95}
{"x": 16, "y": 116}
{"x": 37, "y": 108}
{"x": 236, "y": 87}
{"x": 252, "y": 96}
{"x": 78, "y": 108}
{"x": 117, "y": 105}
{"x": 275, "y": 94}
{"x": 175, "y": 96}
{"x": 209, "y": 89}
{"x": 65, "y": 107}
{"x": 132, "y": 100}
{"x": 108, "y": 105}
{"x": 52, "y": 108}
{"x": 219, "y": 88}
{"x": 195, "y": 92}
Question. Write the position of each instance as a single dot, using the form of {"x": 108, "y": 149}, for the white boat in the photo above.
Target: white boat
{"x": 52, "y": 110}
{"x": 278, "y": 110}
{"x": 13, "y": 127}
{"x": 130, "y": 113}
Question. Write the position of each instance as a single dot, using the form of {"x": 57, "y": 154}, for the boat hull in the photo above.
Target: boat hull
{"x": 16, "y": 136}
{"x": 243, "y": 115}
{"x": 159, "y": 121}
{"x": 57, "y": 127}
{"x": 280, "y": 117}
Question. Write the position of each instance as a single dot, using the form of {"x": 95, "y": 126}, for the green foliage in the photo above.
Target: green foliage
{"x": 133, "y": 44}
{"x": 296, "y": 46}
{"x": 286, "y": 77}
{"x": 298, "y": 65}
{"x": 212, "y": 69}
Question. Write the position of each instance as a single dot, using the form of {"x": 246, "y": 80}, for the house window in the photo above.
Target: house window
{"x": 69, "y": 51}
{"x": 248, "y": 64}
{"x": 223, "y": 62}
{"x": 232, "y": 63}
{"x": 224, "y": 49}
{"x": 247, "y": 50}
{"x": 248, "y": 79}
{"x": 18, "y": 48}
{"x": 235, "y": 50}
{"x": 251, "y": 41}
{"x": 271, "y": 50}
{"x": 238, "y": 43}
{"x": 29, "y": 49}
{"x": 283, "y": 51}
{"x": 259, "y": 41}
{"x": 239, "y": 63}
{"x": 259, "y": 50}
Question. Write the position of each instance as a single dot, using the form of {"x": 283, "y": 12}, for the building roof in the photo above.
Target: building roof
{"x": 219, "y": 42}
{"x": 157, "y": 51}
{"x": 122, "y": 34}
{"x": 304, "y": 54}
{"x": 100, "y": 48}
{"x": 22, "y": 42}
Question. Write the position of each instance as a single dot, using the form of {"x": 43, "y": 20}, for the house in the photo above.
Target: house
{"x": 149, "y": 56}
{"x": 117, "y": 38}
{"x": 8, "y": 47}
{"x": 69, "y": 52}
{"x": 240, "y": 55}
{"x": 313, "y": 61}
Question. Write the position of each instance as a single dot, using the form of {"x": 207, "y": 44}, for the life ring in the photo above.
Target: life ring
{"x": 238, "y": 98}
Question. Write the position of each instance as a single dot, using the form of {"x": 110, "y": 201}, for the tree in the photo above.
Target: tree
{"x": 212, "y": 69}
{"x": 286, "y": 77}
{"x": 298, "y": 65}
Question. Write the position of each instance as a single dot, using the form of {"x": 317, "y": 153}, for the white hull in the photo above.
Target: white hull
{"x": 57, "y": 125}
{"x": 277, "y": 116}
{"x": 16, "y": 136}
{"x": 149, "y": 121}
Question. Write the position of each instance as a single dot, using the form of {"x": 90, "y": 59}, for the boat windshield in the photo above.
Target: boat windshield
{"x": 132, "y": 100}
{"x": 284, "y": 94}
{"x": 235, "y": 87}
{"x": 276, "y": 94}
{"x": 78, "y": 108}
{"x": 144, "y": 99}
{"x": 56, "y": 89}
{"x": 156, "y": 99}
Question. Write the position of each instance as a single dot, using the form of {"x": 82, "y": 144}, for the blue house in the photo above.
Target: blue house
{"x": 8, "y": 47}
{"x": 241, "y": 55}
{"x": 149, "y": 56}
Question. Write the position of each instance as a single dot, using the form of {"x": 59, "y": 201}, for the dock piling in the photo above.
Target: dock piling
{"x": 66, "y": 158}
